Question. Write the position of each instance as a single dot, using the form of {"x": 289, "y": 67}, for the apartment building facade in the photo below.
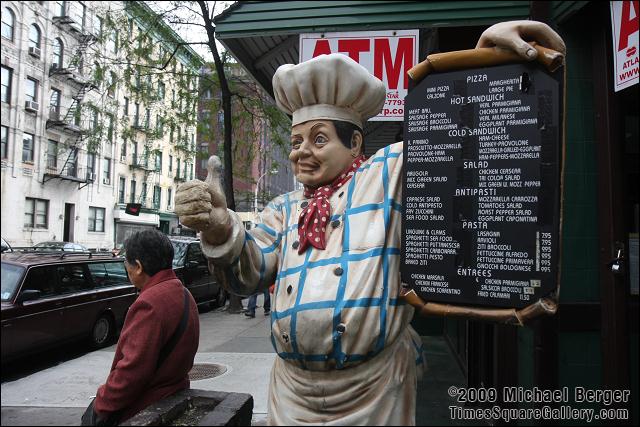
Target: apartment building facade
{"x": 98, "y": 111}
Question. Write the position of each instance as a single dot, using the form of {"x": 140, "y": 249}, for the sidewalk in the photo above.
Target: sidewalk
{"x": 59, "y": 395}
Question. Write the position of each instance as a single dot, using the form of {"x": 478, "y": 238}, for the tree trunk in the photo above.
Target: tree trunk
{"x": 226, "y": 108}
{"x": 235, "y": 302}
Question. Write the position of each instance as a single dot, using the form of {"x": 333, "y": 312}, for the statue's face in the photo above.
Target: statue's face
{"x": 317, "y": 154}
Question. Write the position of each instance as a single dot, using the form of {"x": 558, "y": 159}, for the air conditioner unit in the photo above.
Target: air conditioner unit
{"x": 35, "y": 52}
{"x": 91, "y": 176}
{"x": 106, "y": 181}
{"x": 31, "y": 106}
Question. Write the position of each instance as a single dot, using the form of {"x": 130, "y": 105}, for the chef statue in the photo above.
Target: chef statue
{"x": 346, "y": 352}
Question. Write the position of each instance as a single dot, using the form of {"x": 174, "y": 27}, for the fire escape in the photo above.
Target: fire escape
{"x": 71, "y": 121}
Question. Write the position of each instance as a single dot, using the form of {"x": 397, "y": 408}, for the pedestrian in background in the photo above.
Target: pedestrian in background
{"x": 159, "y": 338}
{"x": 253, "y": 300}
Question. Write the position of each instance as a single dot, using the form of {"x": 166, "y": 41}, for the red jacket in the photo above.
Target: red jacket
{"x": 133, "y": 383}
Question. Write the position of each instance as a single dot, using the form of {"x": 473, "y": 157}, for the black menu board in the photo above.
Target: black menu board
{"x": 481, "y": 197}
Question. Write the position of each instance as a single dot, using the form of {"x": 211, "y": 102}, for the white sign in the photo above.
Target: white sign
{"x": 624, "y": 27}
{"x": 386, "y": 54}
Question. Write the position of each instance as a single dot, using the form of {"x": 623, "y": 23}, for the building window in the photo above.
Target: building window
{"x": 190, "y": 171}
{"x": 52, "y": 154}
{"x": 31, "y": 90}
{"x": 27, "y": 148}
{"x": 97, "y": 26}
{"x": 123, "y": 150}
{"x": 159, "y": 124}
{"x": 170, "y": 163}
{"x": 106, "y": 171}
{"x": 126, "y": 106}
{"x": 143, "y": 195}
{"x": 111, "y": 84}
{"x": 54, "y": 101}
{"x": 169, "y": 194}
{"x": 159, "y": 162}
{"x": 71, "y": 168}
{"x": 8, "y": 22}
{"x": 60, "y": 9}
{"x": 136, "y": 118}
{"x": 161, "y": 90}
{"x": 91, "y": 167}
{"x": 58, "y": 53}
{"x": 133, "y": 191}
{"x": 7, "y": 74}
{"x": 147, "y": 119}
{"x": 96, "y": 219}
{"x": 5, "y": 141}
{"x": 36, "y": 213}
{"x": 204, "y": 148}
{"x": 78, "y": 12}
{"x": 112, "y": 42}
{"x": 121, "y": 188}
{"x": 156, "y": 197}
{"x": 93, "y": 119}
{"x": 34, "y": 36}
{"x": 109, "y": 128}
{"x": 178, "y": 169}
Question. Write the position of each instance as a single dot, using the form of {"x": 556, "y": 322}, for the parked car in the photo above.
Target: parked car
{"x": 61, "y": 246}
{"x": 49, "y": 298}
{"x": 191, "y": 267}
{"x": 6, "y": 247}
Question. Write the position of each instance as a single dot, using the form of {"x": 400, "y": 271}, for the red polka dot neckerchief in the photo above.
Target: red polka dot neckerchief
{"x": 312, "y": 224}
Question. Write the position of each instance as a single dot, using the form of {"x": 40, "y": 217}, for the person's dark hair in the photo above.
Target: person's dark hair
{"x": 345, "y": 132}
{"x": 152, "y": 248}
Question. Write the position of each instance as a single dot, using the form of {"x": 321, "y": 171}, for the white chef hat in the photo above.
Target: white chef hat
{"x": 329, "y": 87}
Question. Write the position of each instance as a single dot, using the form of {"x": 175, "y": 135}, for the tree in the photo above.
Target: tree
{"x": 254, "y": 103}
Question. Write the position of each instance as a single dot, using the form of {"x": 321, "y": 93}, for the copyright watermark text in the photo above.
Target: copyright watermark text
{"x": 553, "y": 404}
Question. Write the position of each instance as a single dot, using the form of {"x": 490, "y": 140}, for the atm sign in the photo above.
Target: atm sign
{"x": 388, "y": 55}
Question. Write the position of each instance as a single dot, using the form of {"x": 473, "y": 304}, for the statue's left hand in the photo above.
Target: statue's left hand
{"x": 514, "y": 35}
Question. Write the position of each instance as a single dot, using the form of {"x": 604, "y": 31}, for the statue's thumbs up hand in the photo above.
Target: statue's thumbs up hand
{"x": 203, "y": 206}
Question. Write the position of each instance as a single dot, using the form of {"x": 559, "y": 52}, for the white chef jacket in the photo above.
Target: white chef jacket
{"x": 347, "y": 354}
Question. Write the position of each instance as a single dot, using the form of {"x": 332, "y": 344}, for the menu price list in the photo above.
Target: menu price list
{"x": 481, "y": 186}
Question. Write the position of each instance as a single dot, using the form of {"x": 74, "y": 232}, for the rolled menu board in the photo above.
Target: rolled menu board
{"x": 482, "y": 186}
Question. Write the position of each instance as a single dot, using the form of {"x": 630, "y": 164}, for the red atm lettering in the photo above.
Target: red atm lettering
{"x": 322, "y": 48}
{"x": 628, "y": 25}
{"x": 394, "y": 67}
{"x": 353, "y": 47}
{"x": 382, "y": 55}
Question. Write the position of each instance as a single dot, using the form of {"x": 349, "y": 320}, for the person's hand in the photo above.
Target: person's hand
{"x": 514, "y": 35}
{"x": 203, "y": 207}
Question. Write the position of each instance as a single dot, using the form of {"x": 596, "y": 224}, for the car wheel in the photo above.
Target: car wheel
{"x": 102, "y": 331}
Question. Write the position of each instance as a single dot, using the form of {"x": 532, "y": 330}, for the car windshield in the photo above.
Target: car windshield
{"x": 179, "y": 252}
{"x": 11, "y": 275}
